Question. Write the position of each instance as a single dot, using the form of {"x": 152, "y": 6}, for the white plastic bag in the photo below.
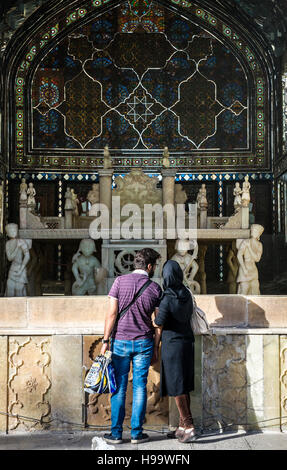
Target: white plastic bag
{"x": 98, "y": 443}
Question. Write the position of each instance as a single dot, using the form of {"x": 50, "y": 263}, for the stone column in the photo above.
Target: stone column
{"x": 168, "y": 184}
{"x": 105, "y": 177}
{"x": 105, "y": 182}
{"x": 168, "y": 191}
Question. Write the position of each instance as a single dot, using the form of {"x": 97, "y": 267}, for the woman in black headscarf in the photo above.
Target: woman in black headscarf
{"x": 177, "y": 351}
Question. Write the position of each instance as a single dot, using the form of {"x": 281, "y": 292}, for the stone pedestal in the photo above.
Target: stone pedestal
{"x": 23, "y": 215}
{"x": 202, "y": 218}
{"x": 244, "y": 217}
{"x": 68, "y": 218}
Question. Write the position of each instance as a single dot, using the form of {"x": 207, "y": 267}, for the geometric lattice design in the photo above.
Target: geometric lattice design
{"x": 147, "y": 88}
{"x": 139, "y": 77}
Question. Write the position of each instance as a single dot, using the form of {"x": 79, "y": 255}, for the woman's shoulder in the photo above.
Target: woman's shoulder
{"x": 166, "y": 300}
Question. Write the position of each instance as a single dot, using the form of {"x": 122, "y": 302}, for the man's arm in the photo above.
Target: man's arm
{"x": 110, "y": 321}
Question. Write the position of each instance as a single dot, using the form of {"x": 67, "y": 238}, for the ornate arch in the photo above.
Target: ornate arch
{"x": 193, "y": 114}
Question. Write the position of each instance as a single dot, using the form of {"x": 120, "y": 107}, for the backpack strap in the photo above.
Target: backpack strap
{"x": 138, "y": 294}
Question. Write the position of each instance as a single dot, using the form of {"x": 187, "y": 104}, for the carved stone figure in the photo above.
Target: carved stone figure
{"x": 201, "y": 199}
{"x": 187, "y": 262}
{"x": 23, "y": 190}
{"x": 69, "y": 200}
{"x": 237, "y": 199}
{"x": 165, "y": 160}
{"x": 249, "y": 253}
{"x": 31, "y": 193}
{"x": 17, "y": 252}
{"x": 86, "y": 269}
{"x": 233, "y": 265}
{"x": 94, "y": 194}
{"x": 245, "y": 198}
{"x": 75, "y": 202}
{"x": 107, "y": 158}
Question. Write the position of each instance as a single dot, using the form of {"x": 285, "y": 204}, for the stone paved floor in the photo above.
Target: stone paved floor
{"x": 83, "y": 440}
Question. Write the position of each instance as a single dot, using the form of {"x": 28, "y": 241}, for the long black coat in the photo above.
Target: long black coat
{"x": 177, "y": 351}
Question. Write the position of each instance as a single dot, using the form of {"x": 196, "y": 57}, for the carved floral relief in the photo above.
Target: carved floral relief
{"x": 29, "y": 382}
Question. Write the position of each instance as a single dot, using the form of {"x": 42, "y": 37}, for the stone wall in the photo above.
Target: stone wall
{"x": 47, "y": 343}
{"x": 243, "y": 383}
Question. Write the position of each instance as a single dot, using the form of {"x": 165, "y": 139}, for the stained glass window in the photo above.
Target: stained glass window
{"x": 168, "y": 83}
{"x": 137, "y": 78}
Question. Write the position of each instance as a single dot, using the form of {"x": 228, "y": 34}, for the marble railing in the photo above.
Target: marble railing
{"x": 87, "y": 313}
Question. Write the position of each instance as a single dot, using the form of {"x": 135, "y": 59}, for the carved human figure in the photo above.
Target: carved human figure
{"x": 69, "y": 199}
{"x": 17, "y": 251}
{"x": 107, "y": 158}
{"x": 245, "y": 197}
{"x": 249, "y": 253}
{"x": 86, "y": 269}
{"x": 233, "y": 265}
{"x": 23, "y": 190}
{"x": 31, "y": 193}
{"x": 237, "y": 196}
{"x": 165, "y": 160}
{"x": 201, "y": 199}
{"x": 94, "y": 194}
{"x": 187, "y": 262}
{"x": 75, "y": 202}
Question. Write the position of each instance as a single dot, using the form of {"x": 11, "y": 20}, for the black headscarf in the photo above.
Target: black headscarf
{"x": 173, "y": 281}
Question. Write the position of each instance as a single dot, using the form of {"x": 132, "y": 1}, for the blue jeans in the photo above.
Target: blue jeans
{"x": 139, "y": 352}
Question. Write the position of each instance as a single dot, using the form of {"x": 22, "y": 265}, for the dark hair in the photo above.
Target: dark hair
{"x": 145, "y": 257}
